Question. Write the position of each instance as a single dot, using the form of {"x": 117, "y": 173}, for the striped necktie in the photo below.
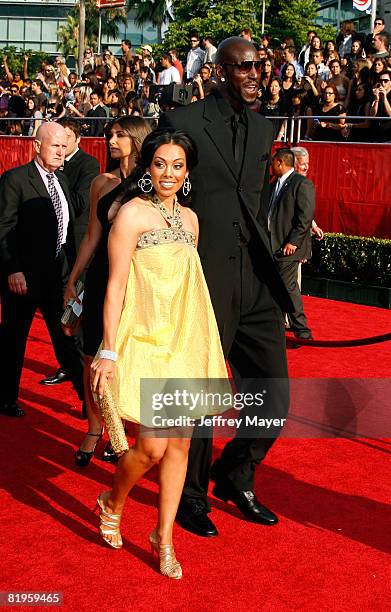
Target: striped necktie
{"x": 55, "y": 198}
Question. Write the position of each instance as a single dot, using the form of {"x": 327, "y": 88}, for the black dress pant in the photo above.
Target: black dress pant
{"x": 46, "y": 293}
{"x": 289, "y": 273}
{"x": 253, "y": 339}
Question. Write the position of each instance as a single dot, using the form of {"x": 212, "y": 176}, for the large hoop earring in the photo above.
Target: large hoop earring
{"x": 145, "y": 183}
{"x": 186, "y": 188}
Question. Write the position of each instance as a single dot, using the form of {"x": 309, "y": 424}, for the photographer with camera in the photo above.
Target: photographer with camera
{"x": 203, "y": 83}
{"x": 381, "y": 107}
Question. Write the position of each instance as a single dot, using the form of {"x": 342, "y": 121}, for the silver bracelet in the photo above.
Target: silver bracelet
{"x": 105, "y": 354}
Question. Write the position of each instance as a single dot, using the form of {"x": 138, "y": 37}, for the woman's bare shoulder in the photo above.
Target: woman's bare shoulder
{"x": 134, "y": 210}
{"x": 189, "y": 213}
{"x": 103, "y": 183}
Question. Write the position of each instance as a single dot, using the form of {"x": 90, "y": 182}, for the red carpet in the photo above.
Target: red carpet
{"x": 330, "y": 550}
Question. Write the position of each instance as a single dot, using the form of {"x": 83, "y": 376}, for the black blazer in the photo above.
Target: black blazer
{"x": 96, "y": 128}
{"x": 80, "y": 171}
{"x": 221, "y": 194}
{"x": 291, "y": 217}
{"x": 28, "y": 223}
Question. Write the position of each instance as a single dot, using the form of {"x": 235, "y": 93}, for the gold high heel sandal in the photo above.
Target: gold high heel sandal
{"x": 169, "y": 566}
{"x": 109, "y": 524}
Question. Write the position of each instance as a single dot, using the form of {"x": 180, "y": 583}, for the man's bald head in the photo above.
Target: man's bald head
{"x": 227, "y": 49}
{"x": 48, "y": 130}
{"x": 50, "y": 145}
{"x": 238, "y": 71}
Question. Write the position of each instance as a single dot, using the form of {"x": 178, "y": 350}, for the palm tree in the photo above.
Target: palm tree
{"x": 68, "y": 37}
{"x": 154, "y": 11}
{"x": 68, "y": 34}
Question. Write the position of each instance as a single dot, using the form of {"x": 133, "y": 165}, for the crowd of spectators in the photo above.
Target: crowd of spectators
{"x": 336, "y": 85}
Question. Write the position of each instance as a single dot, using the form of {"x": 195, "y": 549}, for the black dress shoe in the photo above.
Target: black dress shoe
{"x": 12, "y": 410}
{"x": 303, "y": 335}
{"x": 193, "y": 516}
{"x": 59, "y": 377}
{"x": 246, "y": 502}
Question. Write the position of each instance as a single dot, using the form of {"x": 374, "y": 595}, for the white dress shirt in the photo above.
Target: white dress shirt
{"x": 64, "y": 202}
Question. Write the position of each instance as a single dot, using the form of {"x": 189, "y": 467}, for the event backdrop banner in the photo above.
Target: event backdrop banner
{"x": 351, "y": 180}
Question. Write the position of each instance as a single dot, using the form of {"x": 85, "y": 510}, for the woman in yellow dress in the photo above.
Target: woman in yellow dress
{"x": 159, "y": 325}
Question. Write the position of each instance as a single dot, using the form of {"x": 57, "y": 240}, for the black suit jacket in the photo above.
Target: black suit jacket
{"x": 80, "y": 171}
{"x": 221, "y": 194}
{"x": 291, "y": 217}
{"x": 28, "y": 224}
{"x": 96, "y": 128}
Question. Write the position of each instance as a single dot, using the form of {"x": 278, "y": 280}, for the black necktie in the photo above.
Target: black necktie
{"x": 55, "y": 198}
{"x": 235, "y": 138}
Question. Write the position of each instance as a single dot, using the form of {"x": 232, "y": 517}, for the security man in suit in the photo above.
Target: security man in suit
{"x": 246, "y": 290}
{"x": 290, "y": 213}
{"x": 80, "y": 168}
{"x": 36, "y": 235}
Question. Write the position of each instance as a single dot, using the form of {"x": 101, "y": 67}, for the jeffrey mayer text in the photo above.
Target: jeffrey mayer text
{"x": 217, "y": 421}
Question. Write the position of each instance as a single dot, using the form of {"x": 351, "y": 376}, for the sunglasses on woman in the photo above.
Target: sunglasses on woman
{"x": 246, "y": 66}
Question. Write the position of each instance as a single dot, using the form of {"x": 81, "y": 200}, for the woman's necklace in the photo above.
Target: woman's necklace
{"x": 174, "y": 219}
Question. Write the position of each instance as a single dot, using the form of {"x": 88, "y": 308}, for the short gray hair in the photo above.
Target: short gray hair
{"x": 300, "y": 152}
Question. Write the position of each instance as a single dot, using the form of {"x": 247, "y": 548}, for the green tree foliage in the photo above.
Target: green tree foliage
{"x": 68, "y": 34}
{"x": 294, "y": 18}
{"x": 216, "y": 19}
{"x": 223, "y": 18}
{"x": 15, "y": 59}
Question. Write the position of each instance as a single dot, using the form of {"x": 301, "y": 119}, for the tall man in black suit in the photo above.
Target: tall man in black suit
{"x": 35, "y": 236}
{"x": 290, "y": 214}
{"x": 246, "y": 289}
{"x": 80, "y": 168}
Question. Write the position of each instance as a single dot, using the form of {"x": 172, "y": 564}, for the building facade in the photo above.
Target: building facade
{"x": 332, "y": 12}
{"x": 33, "y": 24}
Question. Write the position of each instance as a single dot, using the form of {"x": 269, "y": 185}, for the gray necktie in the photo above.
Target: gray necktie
{"x": 55, "y": 198}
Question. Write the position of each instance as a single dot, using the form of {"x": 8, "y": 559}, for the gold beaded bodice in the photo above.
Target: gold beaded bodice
{"x": 165, "y": 235}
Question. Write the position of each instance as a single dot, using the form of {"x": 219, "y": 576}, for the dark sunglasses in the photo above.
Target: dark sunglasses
{"x": 247, "y": 65}
{"x": 378, "y": 23}
{"x": 384, "y": 80}
{"x": 14, "y": 90}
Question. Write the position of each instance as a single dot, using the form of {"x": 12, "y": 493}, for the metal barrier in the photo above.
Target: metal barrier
{"x": 295, "y": 124}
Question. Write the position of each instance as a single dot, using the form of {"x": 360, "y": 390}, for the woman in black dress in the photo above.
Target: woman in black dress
{"x": 325, "y": 128}
{"x": 274, "y": 106}
{"x": 125, "y": 137}
{"x": 288, "y": 83}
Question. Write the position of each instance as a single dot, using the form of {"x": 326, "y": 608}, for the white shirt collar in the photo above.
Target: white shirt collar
{"x": 72, "y": 154}
{"x": 44, "y": 172}
{"x": 283, "y": 178}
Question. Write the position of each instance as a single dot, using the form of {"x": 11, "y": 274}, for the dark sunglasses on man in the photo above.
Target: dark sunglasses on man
{"x": 246, "y": 66}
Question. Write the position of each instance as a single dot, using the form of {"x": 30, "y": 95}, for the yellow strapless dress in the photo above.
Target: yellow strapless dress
{"x": 167, "y": 330}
